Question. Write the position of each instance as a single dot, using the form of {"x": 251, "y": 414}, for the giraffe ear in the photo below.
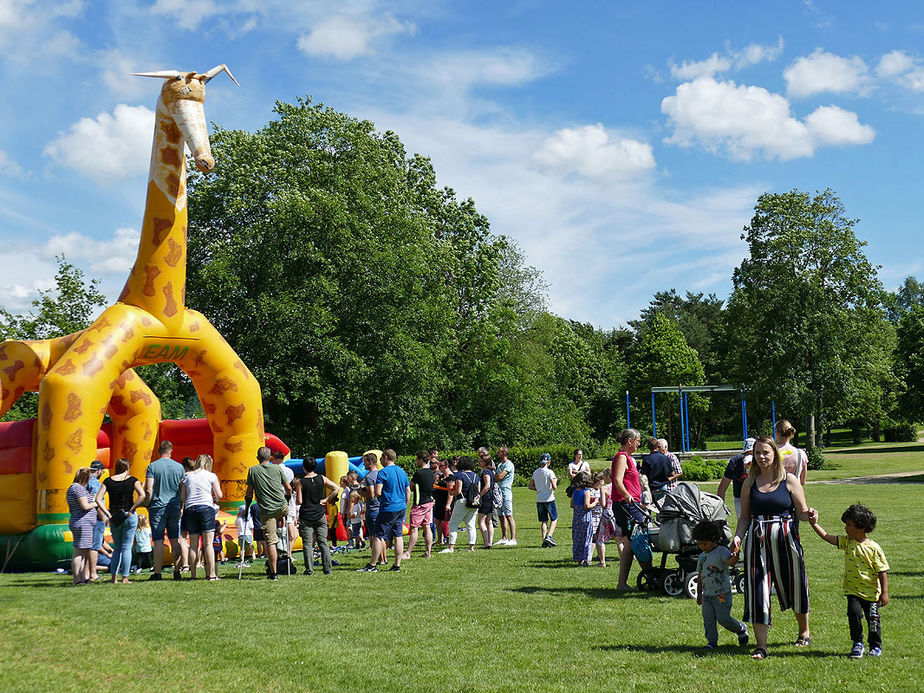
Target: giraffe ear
{"x": 207, "y": 76}
{"x": 162, "y": 74}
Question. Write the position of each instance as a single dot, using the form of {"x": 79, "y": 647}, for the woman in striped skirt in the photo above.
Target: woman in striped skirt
{"x": 770, "y": 498}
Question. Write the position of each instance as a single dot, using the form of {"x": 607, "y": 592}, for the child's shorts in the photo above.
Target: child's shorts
{"x": 548, "y": 512}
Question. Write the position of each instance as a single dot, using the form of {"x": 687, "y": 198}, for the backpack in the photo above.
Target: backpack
{"x": 472, "y": 497}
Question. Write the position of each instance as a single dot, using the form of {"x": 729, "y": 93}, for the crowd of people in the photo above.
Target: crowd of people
{"x": 444, "y": 497}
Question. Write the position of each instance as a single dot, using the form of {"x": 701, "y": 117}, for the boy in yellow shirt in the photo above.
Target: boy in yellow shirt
{"x": 866, "y": 581}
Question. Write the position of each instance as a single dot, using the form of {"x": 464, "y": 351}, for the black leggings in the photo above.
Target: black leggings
{"x": 857, "y": 609}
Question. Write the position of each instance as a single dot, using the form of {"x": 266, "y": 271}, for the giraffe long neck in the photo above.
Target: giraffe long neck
{"x": 157, "y": 283}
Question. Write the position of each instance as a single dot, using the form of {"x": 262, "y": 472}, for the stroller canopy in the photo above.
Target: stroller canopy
{"x": 681, "y": 510}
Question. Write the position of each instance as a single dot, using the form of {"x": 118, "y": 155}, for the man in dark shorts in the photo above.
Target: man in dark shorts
{"x": 162, "y": 490}
{"x": 367, "y": 491}
{"x": 422, "y": 509}
{"x": 267, "y": 481}
{"x": 393, "y": 490}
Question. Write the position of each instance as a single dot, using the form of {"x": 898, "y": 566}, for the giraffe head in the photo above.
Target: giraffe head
{"x": 182, "y": 97}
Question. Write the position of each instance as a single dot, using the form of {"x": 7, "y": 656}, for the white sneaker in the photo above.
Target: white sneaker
{"x": 500, "y": 542}
{"x": 448, "y": 551}
{"x": 512, "y": 542}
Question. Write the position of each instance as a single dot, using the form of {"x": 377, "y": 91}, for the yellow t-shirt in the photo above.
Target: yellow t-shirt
{"x": 862, "y": 564}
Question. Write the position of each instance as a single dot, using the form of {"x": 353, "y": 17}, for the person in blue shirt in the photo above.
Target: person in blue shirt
{"x": 393, "y": 489}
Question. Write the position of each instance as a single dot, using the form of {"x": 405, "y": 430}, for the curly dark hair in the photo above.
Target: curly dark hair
{"x": 707, "y": 530}
{"x": 860, "y": 516}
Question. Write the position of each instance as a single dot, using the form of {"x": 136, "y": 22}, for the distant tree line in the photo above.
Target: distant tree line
{"x": 376, "y": 308}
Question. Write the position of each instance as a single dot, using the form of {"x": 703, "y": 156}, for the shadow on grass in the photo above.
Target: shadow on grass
{"x": 918, "y": 597}
{"x": 904, "y": 447}
{"x": 907, "y": 573}
{"x": 723, "y": 649}
{"x": 593, "y": 592}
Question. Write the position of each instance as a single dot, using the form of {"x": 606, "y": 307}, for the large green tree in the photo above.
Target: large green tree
{"x": 662, "y": 358}
{"x": 805, "y": 308}
{"x": 909, "y": 356}
{"x": 373, "y": 306}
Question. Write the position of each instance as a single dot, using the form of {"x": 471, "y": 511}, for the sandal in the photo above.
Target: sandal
{"x": 803, "y": 641}
{"x": 760, "y": 653}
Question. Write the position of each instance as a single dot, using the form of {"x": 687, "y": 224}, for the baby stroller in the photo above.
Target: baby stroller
{"x": 678, "y": 512}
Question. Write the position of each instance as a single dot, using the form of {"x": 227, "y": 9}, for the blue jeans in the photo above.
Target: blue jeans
{"x": 99, "y": 529}
{"x": 123, "y": 537}
{"x": 718, "y": 610}
{"x": 165, "y": 518}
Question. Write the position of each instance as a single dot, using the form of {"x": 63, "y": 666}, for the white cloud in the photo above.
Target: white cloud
{"x": 26, "y": 268}
{"x": 29, "y": 31}
{"x": 108, "y": 256}
{"x": 345, "y": 37}
{"x": 591, "y": 152}
{"x": 188, "y": 13}
{"x": 9, "y": 167}
{"x": 893, "y": 64}
{"x": 748, "y": 121}
{"x": 751, "y": 54}
{"x": 834, "y": 126}
{"x": 826, "y": 72}
{"x": 108, "y": 147}
{"x": 499, "y": 66}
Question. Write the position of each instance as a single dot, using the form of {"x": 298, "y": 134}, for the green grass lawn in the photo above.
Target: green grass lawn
{"x": 507, "y": 619}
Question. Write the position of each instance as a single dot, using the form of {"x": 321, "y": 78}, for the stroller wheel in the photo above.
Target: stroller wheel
{"x": 691, "y": 585}
{"x": 649, "y": 581}
{"x": 673, "y": 583}
{"x": 739, "y": 583}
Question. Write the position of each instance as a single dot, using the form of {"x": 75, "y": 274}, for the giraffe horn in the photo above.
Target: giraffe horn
{"x": 215, "y": 71}
{"x": 163, "y": 74}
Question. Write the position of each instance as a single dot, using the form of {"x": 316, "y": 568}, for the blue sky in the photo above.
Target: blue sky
{"x": 622, "y": 145}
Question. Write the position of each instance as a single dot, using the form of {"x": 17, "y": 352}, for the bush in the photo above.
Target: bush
{"x": 698, "y": 469}
{"x": 901, "y": 432}
{"x": 816, "y": 458}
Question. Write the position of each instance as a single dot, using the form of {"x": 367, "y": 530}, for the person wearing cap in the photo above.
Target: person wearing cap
{"x": 99, "y": 527}
{"x": 735, "y": 473}
{"x": 544, "y": 482}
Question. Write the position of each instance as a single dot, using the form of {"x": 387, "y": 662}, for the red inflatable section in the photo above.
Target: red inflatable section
{"x": 192, "y": 437}
{"x": 16, "y": 447}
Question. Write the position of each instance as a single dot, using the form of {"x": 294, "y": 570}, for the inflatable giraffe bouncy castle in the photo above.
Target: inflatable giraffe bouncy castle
{"x": 83, "y": 376}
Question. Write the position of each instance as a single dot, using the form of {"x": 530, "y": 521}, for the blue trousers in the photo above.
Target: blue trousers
{"x": 123, "y": 537}
{"x": 718, "y": 610}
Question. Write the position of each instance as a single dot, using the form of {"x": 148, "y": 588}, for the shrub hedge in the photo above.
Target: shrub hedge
{"x": 901, "y": 432}
{"x": 698, "y": 469}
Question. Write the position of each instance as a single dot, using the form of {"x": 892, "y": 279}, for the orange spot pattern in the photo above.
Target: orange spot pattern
{"x": 142, "y": 396}
{"x": 175, "y": 253}
{"x": 172, "y": 132}
{"x": 49, "y": 453}
{"x": 194, "y": 327}
{"x": 83, "y": 346}
{"x": 223, "y": 385}
{"x": 68, "y": 467}
{"x": 242, "y": 368}
{"x": 66, "y": 368}
{"x": 169, "y": 301}
{"x": 209, "y": 408}
{"x": 75, "y": 441}
{"x": 73, "y": 407}
{"x": 234, "y": 413}
{"x": 45, "y": 418}
{"x": 129, "y": 450}
{"x": 173, "y": 185}
{"x": 200, "y": 357}
{"x": 160, "y": 226}
{"x": 170, "y": 156}
{"x": 11, "y": 370}
{"x": 93, "y": 366}
{"x": 234, "y": 447}
{"x": 150, "y": 273}
{"x": 117, "y": 406}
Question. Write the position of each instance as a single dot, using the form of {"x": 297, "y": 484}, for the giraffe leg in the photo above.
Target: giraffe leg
{"x": 73, "y": 397}
{"x": 232, "y": 402}
{"x": 136, "y": 417}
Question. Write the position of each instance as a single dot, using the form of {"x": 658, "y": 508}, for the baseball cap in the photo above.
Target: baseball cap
{"x": 96, "y": 465}
{"x": 545, "y": 457}
{"x": 748, "y": 445}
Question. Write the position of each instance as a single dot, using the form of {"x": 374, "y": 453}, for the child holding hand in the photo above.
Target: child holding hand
{"x": 866, "y": 583}
{"x": 715, "y": 590}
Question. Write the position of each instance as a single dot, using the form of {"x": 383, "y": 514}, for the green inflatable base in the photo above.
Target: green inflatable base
{"x": 44, "y": 548}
